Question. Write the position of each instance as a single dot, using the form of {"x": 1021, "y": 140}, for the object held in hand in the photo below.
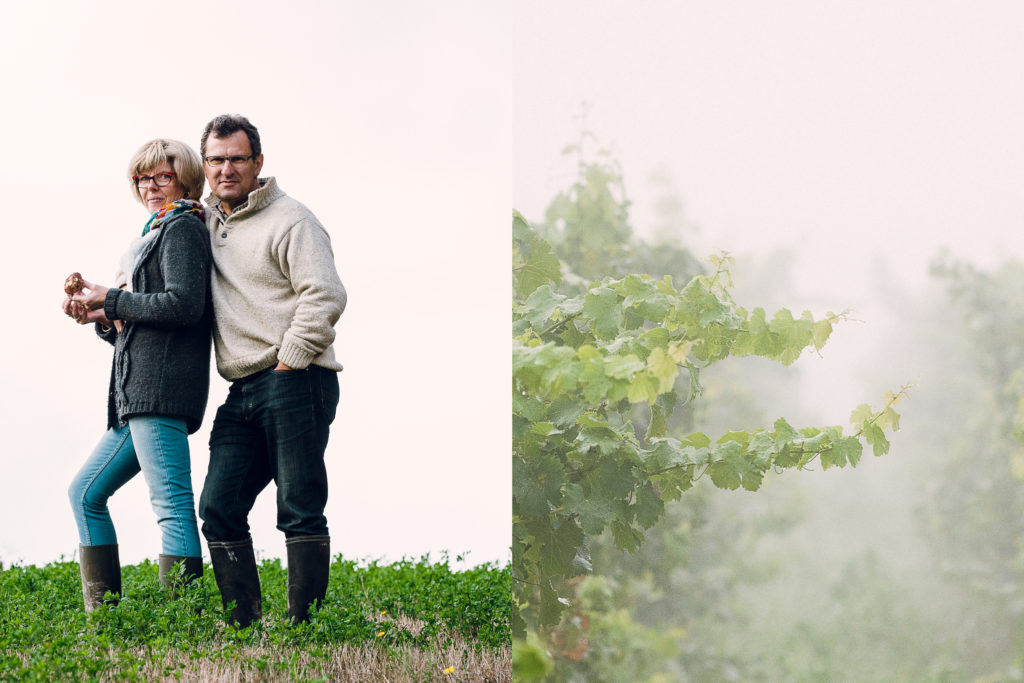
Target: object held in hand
{"x": 73, "y": 284}
{"x": 78, "y": 311}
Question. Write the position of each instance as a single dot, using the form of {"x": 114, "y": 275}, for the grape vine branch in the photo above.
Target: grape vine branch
{"x": 597, "y": 375}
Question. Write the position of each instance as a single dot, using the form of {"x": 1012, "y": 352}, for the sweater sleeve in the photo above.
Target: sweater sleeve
{"x": 108, "y": 335}
{"x": 306, "y": 258}
{"x": 184, "y": 257}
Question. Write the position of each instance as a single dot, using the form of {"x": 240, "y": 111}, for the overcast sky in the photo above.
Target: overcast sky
{"x": 391, "y": 121}
{"x": 838, "y": 127}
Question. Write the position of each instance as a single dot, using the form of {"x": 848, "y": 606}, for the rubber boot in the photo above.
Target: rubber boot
{"x": 101, "y": 573}
{"x": 192, "y": 569}
{"x": 309, "y": 564}
{"x": 234, "y": 568}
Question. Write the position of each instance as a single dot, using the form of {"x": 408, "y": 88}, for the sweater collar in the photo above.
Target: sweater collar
{"x": 258, "y": 199}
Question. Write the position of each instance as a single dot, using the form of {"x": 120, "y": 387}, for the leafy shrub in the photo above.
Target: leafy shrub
{"x": 45, "y": 634}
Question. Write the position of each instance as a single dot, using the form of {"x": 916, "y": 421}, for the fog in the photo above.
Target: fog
{"x": 837, "y": 150}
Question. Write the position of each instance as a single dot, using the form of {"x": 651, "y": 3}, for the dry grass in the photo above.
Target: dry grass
{"x": 347, "y": 664}
{"x": 450, "y": 659}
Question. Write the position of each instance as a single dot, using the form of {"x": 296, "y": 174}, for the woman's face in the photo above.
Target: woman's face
{"x": 154, "y": 196}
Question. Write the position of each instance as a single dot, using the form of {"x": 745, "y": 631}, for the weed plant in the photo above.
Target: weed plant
{"x": 410, "y": 620}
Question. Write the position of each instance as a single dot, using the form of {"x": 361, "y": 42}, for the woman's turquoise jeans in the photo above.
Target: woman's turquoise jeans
{"x": 158, "y": 446}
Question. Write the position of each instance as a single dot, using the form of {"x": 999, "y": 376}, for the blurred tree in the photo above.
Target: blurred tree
{"x": 591, "y": 359}
{"x": 589, "y": 228}
{"x": 974, "y": 518}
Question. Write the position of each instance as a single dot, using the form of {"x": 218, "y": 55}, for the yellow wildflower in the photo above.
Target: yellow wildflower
{"x": 449, "y": 670}
{"x": 380, "y": 634}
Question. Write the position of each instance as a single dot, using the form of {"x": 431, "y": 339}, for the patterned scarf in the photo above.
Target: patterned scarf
{"x": 176, "y": 208}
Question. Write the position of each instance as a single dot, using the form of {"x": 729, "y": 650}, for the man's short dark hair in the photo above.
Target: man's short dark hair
{"x": 228, "y": 124}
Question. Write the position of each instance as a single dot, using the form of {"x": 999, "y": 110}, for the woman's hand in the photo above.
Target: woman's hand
{"x": 84, "y": 316}
{"x": 91, "y": 295}
{"x": 84, "y": 303}
{"x": 75, "y": 310}
{"x": 67, "y": 308}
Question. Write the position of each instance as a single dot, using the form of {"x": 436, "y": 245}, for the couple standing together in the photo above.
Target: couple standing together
{"x": 255, "y": 267}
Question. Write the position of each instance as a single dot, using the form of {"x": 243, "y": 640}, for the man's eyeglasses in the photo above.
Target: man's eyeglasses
{"x": 236, "y": 160}
{"x": 161, "y": 179}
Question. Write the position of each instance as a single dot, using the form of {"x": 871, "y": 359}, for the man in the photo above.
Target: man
{"x": 276, "y": 297}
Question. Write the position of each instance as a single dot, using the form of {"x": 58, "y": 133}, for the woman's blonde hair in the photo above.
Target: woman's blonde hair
{"x": 182, "y": 158}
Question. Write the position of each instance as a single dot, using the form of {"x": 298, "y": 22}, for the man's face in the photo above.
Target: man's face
{"x": 232, "y": 181}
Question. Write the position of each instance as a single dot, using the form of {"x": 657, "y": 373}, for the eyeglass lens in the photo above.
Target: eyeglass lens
{"x": 161, "y": 180}
{"x": 235, "y": 160}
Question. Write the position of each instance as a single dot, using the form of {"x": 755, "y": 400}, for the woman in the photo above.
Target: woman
{"x": 158, "y": 320}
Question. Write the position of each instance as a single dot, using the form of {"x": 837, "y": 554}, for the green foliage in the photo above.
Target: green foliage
{"x": 612, "y": 341}
{"x": 46, "y": 635}
{"x": 608, "y": 644}
{"x": 865, "y": 629}
{"x": 530, "y": 659}
{"x": 588, "y": 228}
{"x": 762, "y": 599}
{"x": 588, "y": 361}
{"x": 973, "y": 516}
{"x": 580, "y": 363}
{"x": 592, "y": 220}
{"x": 537, "y": 265}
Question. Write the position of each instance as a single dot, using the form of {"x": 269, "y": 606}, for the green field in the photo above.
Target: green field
{"x": 407, "y": 621}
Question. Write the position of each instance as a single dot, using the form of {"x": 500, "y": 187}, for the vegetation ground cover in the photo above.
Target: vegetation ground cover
{"x": 410, "y": 620}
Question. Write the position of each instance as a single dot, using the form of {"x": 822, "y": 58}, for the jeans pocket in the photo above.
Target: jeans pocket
{"x": 289, "y": 388}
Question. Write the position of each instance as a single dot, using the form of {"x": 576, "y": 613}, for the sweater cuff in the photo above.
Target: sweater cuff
{"x": 110, "y": 303}
{"x": 293, "y": 356}
{"x": 104, "y": 334}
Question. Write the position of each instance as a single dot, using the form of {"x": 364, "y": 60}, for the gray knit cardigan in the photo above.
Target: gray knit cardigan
{"x": 162, "y": 358}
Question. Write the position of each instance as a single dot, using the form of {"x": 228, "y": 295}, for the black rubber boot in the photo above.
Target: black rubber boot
{"x": 234, "y": 568}
{"x": 101, "y": 573}
{"x": 192, "y": 570}
{"x": 309, "y": 564}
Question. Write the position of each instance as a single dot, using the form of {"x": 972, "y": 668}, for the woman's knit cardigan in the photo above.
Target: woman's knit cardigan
{"x": 162, "y": 357}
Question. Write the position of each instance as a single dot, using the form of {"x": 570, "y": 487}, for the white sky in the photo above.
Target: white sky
{"x": 864, "y": 136}
{"x": 392, "y": 122}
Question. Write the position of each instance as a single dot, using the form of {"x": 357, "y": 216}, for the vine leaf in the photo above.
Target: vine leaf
{"x": 588, "y": 359}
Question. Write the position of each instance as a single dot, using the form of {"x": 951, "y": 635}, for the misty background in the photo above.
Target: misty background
{"x": 867, "y": 157}
{"x": 370, "y": 115}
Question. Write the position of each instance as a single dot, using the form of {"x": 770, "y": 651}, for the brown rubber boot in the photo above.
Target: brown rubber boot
{"x": 101, "y": 573}
{"x": 309, "y": 564}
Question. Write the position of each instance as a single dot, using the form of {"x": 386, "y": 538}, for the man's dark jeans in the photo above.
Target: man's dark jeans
{"x": 273, "y": 426}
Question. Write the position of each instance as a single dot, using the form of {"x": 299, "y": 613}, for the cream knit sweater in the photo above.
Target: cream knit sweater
{"x": 276, "y": 290}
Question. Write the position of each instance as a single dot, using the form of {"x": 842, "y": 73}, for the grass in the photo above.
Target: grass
{"x": 407, "y": 621}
